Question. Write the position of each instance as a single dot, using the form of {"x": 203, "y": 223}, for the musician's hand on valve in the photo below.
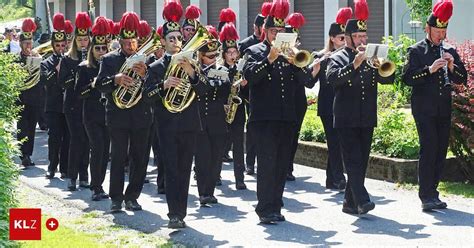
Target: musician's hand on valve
{"x": 140, "y": 68}
{"x": 316, "y": 67}
{"x": 187, "y": 67}
{"x": 449, "y": 57}
{"x": 171, "y": 82}
{"x": 273, "y": 55}
{"x": 123, "y": 80}
{"x": 359, "y": 58}
{"x": 437, "y": 64}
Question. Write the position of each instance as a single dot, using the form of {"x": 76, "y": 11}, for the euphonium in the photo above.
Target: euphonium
{"x": 384, "y": 67}
{"x": 34, "y": 71}
{"x": 233, "y": 101}
{"x": 128, "y": 97}
{"x": 44, "y": 49}
{"x": 179, "y": 98}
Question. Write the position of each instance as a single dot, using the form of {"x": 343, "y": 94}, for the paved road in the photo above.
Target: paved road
{"x": 313, "y": 213}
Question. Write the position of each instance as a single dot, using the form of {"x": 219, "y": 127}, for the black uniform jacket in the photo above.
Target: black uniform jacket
{"x": 355, "y": 102}
{"x": 93, "y": 105}
{"x": 272, "y": 86}
{"x": 67, "y": 78}
{"x": 211, "y": 104}
{"x": 326, "y": 90}
{"x": 430, "y": 96}
{"x": 30, "y": 96}
{"x": 49, "y": 77}
{"x": 243, "y": 45}
{"x": 138, "y": 116}
{"x": 189, "y": 119}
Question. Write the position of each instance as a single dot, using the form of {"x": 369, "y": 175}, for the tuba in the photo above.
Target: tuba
{"x": 126, "y": 98}
{"x": 384, "y": 67}
{"x": 179, "y": 98}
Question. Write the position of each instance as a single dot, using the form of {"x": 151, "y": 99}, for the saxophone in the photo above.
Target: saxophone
{"x": 126, "y": 98}
{"x": 179, "y": 98}
{"x": 233, "y": 101}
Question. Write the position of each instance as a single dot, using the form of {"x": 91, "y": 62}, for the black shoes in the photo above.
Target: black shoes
{"x": 240, "y": 185}
{"x": 116, "y": 206}
{"x": 290, "y": 177}
{"x": 205, "y": 200}
{"x": 267, "y": 220}
{"x": 279, "y": 217}
{"x": 49, "y": 174}
{"x": 431, "y": 204}
{"x": 99, "y": 194}
{"x": 250, "y": 171}
{"x": 176, "y": 223}
{"x": 366, "y": 207}
{"x": 84, "y": 184}
{"x": 71, "y": 185}
{"x": 341, "y": 185}
{"x": 63, "y": 175}
{"x": 440, "y": 204}
{"x": 132, "y": 205}
{"x": 349, "y": 210}
{"x": 161, "y": 191}
{"x": 227, "y": 158}
{"x": 26, "y": 161}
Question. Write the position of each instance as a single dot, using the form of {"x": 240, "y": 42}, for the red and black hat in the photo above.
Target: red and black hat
{"x": 83, "y": 24}
{"x": 213, "y": 44}
{"x": 172, "y": 13}
{"x": 191, "y": 16}
{"x": 115, "y": 31}
{"x": 442, "y": 11}
{"x": 362, "y": 14}
{"x": 339, "y": 27}
{"x": 100, "y": 31}
{"x": 129, "y": 25}
{"x": 229, "y": 36}
{"x": 58, "y": 34}
{"x": 278, "y": 13}
{"x": 265, "y": 10}
{"x": 226, "y": 15}
{"x": 144, "y": 30}
{"x": 295, "y": 21}
{"x": 68, "y": 29}
{"x": 159, "y": 31}
{"x": 27, "y": 29}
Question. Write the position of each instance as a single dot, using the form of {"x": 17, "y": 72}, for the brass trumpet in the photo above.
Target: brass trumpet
{"x": 384, "y": 67}
{"x": 299, "y": 58}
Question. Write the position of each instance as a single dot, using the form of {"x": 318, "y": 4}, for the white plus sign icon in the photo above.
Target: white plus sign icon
{"x": 52, "y": 224}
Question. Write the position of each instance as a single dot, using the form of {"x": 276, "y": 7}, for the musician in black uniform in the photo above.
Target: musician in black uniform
{"x": 355, "y": 109}
{"x": 190, "y": 22}
{"x": 93, "y": 108}
{"x": 334, "y": 170}
{"x": 430, "y": 69}
{"x": 230, "y": 54}
{"x": 72, "y": 108}
{"x": 126, "y": 125}
{"x": 58, "y": 140}
{"x": 255, "y": 38}
{"x": 29, "y": 97}
{"x": 177, "y": 131}
{"x": 272, "y": 113}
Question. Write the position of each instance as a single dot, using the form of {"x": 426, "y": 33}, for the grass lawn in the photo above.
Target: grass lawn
{"x": 447, "y": 188}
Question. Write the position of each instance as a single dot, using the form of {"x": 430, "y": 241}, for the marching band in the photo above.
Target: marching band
{"x": 114, "y": 91}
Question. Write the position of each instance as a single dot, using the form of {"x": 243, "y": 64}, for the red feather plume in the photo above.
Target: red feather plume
{"x": 296, "y": 20}
{"x": 68, "y": 28}
{"x": 159, "y": 30}
{"x": 443, "y": 9}
{"x": 280, "y": 9}
{"x": 83, "y": 21}
{"x": 28, "y": 25}
{"x": 130, "y": 21}
{"x": 173, "y": 11}
{"x": 213, "y": 31}
{"x": 111, "y": 24}
{"x": 116, "y": 29}
{"x": 266, "y": 7}
{"x": 101, "y": 26}
{"x": 361, "y": 10}
{"x": 58, "y": 22}
{"x": 227, "y": 15}
{"x": 144, "y": 29}
{"x": 228, "y": 32}
{"x": 192, "y": 12}
{"x": 343, "y": 15}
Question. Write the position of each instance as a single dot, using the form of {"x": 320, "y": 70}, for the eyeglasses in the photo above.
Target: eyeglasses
{"x": 172, "y": 38}
{"x": 231, "y": 52}
{"x": 210, "y": 56}
{"x": 59, "y": 45}
{"x": 364, "y": 36}
{"x": 190, "y": 30}
{"x": 100, "y": 48}
{"x": 275, "y": 31}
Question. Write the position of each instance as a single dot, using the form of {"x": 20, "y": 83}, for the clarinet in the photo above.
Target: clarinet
{"x": 83, "y": 53}
{"x": 447, "y": 83}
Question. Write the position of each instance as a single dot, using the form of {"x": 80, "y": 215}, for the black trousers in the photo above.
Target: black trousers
{"x": 334, "y": 169}
{"x": 26, "y": 125}
{"x": 99, "y": 142}
{"x": 274, "y": 154}
{"x": 120, "y": 139}
{"x": 178, "y": 153}
{"x": 236, "y": 139}
{"x": 249, "y": 144}
{"x": 300, "y": 112}
{"x": 209, "y": 151}
{"x": 355, "y": 145}
{"x": 433, "y": 134}
{"x": 42, "y": 121}
{"x": 78, "y": 162}
{"x": 58, "y": 141}
{"x": 157, "y": 157}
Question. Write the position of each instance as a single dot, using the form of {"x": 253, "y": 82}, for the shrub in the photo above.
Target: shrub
{"x": 462, "y": 125}
{"x": 11, "y": 75}
{"x": 312, "y": 128}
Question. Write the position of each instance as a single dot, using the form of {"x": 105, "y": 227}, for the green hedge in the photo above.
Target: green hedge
{"x": 10, "y": 75}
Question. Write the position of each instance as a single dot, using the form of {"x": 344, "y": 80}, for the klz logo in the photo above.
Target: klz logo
{"x": 25, "y": 224}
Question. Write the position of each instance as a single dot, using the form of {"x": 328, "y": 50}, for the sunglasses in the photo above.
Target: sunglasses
{"x": 171, "y": 38}
{"x": 275, "y": 31}
{"x": 210, "y": 56}
{"x": 190, "y": 30}
{"x": 342, "y": 38}
{"x": 59, "y": 45}
{"x": 100, "y": 48}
